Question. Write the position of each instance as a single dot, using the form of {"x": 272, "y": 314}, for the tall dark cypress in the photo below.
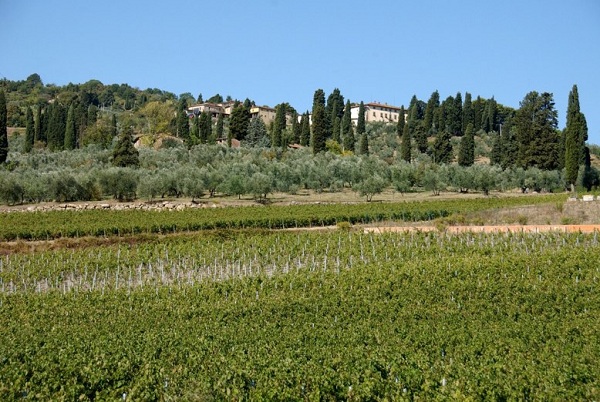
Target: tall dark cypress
{"x": 56, "y": 127}
{"x": 319, "y": 122}
{"x": 334, "y": 108}
{"x": 363, "y": 144}
{"x": 336, "y": 135}
{"x": 182, "y": 121}
{"x": 279, "y": 125}
{"x": 575, "y": 135}
{"x": 360, "y": 122}
{"x": 457, "y": 117}
{"x": 70, "y": 136}
{"x": 3, "y": 128}
{"x": 432, "y": 104}
{"x": 29, "y": 131}
{"x": 406, "y": 146}
{"x": 238, "y": 122}
{"x": 305, "y": 129}
{"x": 401, "y": 122}
{"x": 442, "y": 147}
{"x": 468, "y": 115}
{"x": 466, "y": 153}
{"x": 38, "y": 129}
{"x": 319, "y": 128}
{"x": 204, "y": 127}
{"x": 296, "y": 128}
{"x": 220, "y": 126}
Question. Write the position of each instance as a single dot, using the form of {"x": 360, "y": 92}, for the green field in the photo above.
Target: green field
{"x": 72, "y": 224}
{"x": 339, "y": 315}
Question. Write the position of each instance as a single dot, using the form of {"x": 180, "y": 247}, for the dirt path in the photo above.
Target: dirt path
{"x": 490, "y": 229}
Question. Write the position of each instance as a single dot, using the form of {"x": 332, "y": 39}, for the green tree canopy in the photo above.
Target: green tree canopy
{"x": 536, "y": 132}
{"x": 360, "y": 122}
{"x": 466, "y": 154}
{"x": 238, "y": 124}
{"x": 29, "y": 131}
{"x": 3, "y": 128}
{"x": 319, "y": 122}
{"x": 575, "y": 136}
{"x": 125, "y": 154}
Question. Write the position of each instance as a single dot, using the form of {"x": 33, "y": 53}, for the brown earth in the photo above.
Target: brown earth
{"x": 489, "y": 229}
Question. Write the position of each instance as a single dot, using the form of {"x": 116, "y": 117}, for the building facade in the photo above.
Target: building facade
{"x": 378, "y": 112}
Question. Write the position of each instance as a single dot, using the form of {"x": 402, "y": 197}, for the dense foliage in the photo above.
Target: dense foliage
{"x": 305, "y": 316}
{"x": 69, "y": 223}
{"x": 78, "y": 115}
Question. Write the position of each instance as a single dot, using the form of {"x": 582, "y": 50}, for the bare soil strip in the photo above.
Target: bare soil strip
{"x": 490, "y": 229}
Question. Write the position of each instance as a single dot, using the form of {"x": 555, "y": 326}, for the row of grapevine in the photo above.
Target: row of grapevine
{"x": 57, "y": 224}
{"x": 305, "y": 316}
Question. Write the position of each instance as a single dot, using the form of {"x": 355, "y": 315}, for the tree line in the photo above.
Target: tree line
{"x": 75, "y": 116}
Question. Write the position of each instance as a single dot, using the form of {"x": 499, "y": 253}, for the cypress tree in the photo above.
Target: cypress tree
{"x": 183, "y": 124}
{"x": 279, "y": 125}
{"x": 56, "y": 127}
{"x": 336, "y": 135}
{"x": 305, "y": 129}
{"x": 466, "y": 154}
{"x": 238, "y": 124}
{"x": 468, "y": 116}
{"x": 363, "y": 144}
{"x": 489, "y": 116}
{"x": 414, "y": 106}
{"x": 346, "y": 124}
{"x": 113, "y": 127}
{"x": 432, "y": 104}
{"x": 360, "y": 123}
{"x": 204, "y": 127}
{"x": 319, "y": 122}
{"x": 405, "y": 146}
{"x": 3, "y": 128}
{"x": 29, "y": 131}
{"x": 349, "y": 140}
{"x": 575, "y": 135}
{"x": 442, "y": 147}
{"x": 319, "y": 128}
{"x": 45, "y": 124}
{"x": 125, "y": 154}
{"x": 38, "y": 124}
{"x": 509, "y": 157}
{"x": 478, "y": 108}
{"x": 335, "y": 106}
{"x": 449, "y": 122}
{"x": 296, "y": 128}
{"x": 415, "y": 126}
{"x": 457, "y": 117}
{"x": 401, "y": 123}
{"x": 220, "y": 126}
{"x": 536, "y": 135}
{"x": 69, "y": 142}
{"x": 195, "y": 131}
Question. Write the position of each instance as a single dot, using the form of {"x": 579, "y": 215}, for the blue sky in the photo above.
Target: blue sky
{"x": 276, "y": 51}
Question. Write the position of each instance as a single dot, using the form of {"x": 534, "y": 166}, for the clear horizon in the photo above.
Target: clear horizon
{"x": 273, "y": 51}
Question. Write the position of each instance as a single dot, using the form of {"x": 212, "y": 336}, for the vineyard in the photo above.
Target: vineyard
{"x": 70, "y": 224}
{"x": 279, "y": 315}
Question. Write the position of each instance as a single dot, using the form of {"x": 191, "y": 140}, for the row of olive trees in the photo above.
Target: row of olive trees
{"x": 87, "y": 174}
